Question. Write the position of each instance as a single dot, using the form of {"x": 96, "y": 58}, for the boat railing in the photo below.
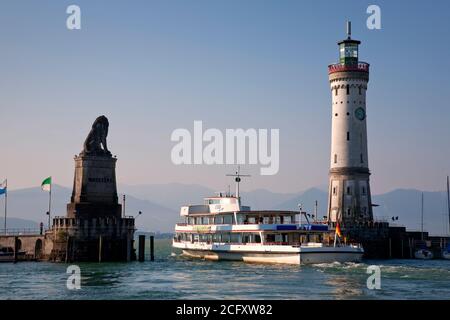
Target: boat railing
{"x": 184, "y": 224}
{"x": 20, "y": 231}
{"x": 271, "y": 243}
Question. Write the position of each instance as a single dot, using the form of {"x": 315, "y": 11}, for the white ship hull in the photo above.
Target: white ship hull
{"x": 272, "y": 254}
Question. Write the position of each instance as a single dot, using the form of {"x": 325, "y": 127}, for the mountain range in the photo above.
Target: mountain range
{"x": 160, "y": 205}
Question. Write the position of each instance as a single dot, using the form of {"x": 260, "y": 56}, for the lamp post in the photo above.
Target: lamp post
{"x": 140, "y": 212}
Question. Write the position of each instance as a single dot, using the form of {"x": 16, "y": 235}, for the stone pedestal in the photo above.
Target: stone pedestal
{"x": 94, "y": 229}
{"x": 94, "y": 192}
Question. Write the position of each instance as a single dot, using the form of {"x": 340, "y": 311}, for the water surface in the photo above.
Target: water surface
{"x": 175, "y": 277}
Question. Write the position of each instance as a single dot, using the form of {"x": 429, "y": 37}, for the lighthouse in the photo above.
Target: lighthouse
{"x": 349, "y": 199}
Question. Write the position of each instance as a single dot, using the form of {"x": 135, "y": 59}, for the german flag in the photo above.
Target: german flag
{"x": 338, "y": 230}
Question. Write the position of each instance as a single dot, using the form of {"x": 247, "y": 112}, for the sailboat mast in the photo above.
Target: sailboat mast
{"x": 448, "y": 202}
{"x": 422, "y": 217}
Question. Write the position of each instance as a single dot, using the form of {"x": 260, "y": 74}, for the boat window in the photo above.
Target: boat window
{"x": 228, "y": 220}
{"x": 257, "y": 238}
{"x": 226, "y": 237}
{"x": 235, "y": 238}
{"x": 212, "y": 201}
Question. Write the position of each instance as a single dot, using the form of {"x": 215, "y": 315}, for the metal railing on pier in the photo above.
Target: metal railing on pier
{"x": 20, "y": 232}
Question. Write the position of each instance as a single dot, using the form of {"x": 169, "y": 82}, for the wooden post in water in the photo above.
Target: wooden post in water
{"x": 152, "y": 248}
{"x": 67, "y": 249}
{"x": 390, "y": 248}
{"x": 410, "y": 248}
{"x": 100, "y": 244}
{"x": 129, "y": 248}
{"x": 16, "y": 248}
{"x": 402, "y": 249}
{"x": 141, "y": 248}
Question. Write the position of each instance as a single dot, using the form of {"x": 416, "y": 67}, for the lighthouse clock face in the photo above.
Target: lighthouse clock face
{"x": 360, "y": 114}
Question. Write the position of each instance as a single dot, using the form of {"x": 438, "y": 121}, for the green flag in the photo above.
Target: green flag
{"x": 47, "y": 184}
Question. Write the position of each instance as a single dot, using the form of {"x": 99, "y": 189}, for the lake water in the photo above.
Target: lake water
{"x": 173, "y": 277}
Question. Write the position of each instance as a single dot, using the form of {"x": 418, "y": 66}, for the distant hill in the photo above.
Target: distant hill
{"x": 307, "y": 199}
{"x": 160, "y": 205}
{"x": 171, "y": 195}
{"x": 16, "y": 223}
{"x": 32, "y": 204}
{"x": 174, "y": 195}
{"x": 404, "y": 203}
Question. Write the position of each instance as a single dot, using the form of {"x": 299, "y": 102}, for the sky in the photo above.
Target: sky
{"x": 155, "y": 66}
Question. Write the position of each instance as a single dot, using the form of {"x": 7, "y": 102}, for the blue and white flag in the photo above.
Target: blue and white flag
{"x": 3, "y": 187}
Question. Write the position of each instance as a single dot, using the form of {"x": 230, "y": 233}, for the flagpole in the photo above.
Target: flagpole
{"x": 6, "y": 202}
{"x": 49, "y": 205}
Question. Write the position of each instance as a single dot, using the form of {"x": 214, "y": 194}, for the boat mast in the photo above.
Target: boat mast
{"x": 237, "y": 179}
{"x": 422, "y": 217}
{"x": 448, "y": 203}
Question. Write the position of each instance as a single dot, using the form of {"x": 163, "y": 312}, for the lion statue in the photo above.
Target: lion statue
{"x": 95, "y": 143}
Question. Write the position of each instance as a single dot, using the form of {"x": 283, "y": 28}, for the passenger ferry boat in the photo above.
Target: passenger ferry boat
{"x": 223, "y": 229}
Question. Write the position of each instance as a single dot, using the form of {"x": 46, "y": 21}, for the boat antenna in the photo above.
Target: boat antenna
{"x": 237, "y": 179}
{"x": 315, "y": 210}
{"x": 300, "y": 208}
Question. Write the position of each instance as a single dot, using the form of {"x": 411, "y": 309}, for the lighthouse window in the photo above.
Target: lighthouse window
{"x": 361, "y": 158}
{"x": 336, "y": 91}
{"x": 359, "y": 88}
{"x": 348, "y": 211}
{"x": 348, "y": 136}
{"x": 335, "y": 158}
{"x": 348, "y": 89}
{"x": 334, "y": 191}
{"x": 363, "y": 190}
{"x": 349, "y": 191}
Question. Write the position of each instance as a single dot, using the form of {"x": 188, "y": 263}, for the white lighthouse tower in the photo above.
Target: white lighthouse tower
{"x": 349, "y": 190}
